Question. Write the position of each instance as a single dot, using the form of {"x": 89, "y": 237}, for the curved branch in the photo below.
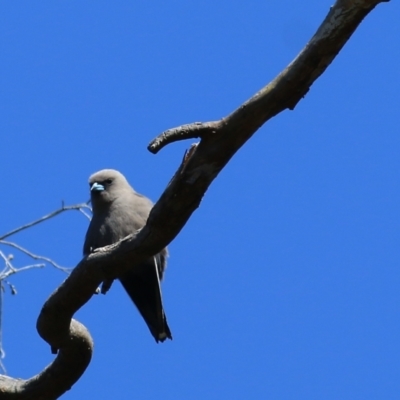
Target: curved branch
{"x": 200, "y": 167}
{"x": 183, "y": 132}
{"x": 69, "y": 365}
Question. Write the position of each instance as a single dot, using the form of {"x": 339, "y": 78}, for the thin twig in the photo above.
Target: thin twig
{"x": 85, "y": 213}
{"x": 8, "y": 273}
{"x": 7, "y": 262}
{"x": 2, "y": 367}
{"x": 35, "y": 256}
{"x": 10, "y": 285}
{"x": 2, "y": 352}
{"x": 63, "y": 208}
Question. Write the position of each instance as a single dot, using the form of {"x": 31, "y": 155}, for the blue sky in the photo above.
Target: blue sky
{"x": 285, "y": 282}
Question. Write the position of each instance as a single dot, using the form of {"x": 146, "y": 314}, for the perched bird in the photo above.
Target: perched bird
{"x": 117, "y": 212}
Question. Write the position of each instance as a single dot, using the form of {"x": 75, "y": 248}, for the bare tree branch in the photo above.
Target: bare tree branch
{"x": 79, "y": 207}
{"x": 59, "y": 376}
{"x": 190, "y": 131}
{"x": 2, "y": 352}
{"x": 85, "y": 213}
{"x": 219, "y": 142}
{"x": 34, "y": 256}
{"x": 7, "y": 261}
{"x": 24, "y": 268}
{"x": 9, "y": 269}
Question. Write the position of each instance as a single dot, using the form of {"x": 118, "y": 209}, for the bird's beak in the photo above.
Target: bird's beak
{"x": 96, "y": 187}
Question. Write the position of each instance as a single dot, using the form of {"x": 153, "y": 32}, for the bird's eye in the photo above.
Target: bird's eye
{"x": 108, "y": 181}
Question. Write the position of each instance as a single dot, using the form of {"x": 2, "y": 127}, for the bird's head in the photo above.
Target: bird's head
{"x": 106, "y": 186}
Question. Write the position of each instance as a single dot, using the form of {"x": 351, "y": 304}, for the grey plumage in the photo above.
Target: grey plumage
{"x": 117, "y": 212}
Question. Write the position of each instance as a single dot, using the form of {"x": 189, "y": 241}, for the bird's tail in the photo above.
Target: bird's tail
{"x": 142, "y": 283}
